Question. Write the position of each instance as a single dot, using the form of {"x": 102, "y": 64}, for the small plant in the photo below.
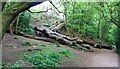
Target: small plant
{"x": 27, "y": 44}
{"x": 57, "y": 44}
{"x": 65, "y": 52}
{"x": 17, "y": 65}
{"x": 114, "y": 47}
{"x": 74, "y": 45}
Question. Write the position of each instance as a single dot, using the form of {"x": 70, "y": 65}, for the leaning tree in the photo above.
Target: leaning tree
{"x": 9, "y": 14}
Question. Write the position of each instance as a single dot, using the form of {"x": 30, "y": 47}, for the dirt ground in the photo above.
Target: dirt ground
{"x": 12, "y": 50}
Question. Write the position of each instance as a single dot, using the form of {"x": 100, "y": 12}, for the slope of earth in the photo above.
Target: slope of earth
{"x": 12, "y": 50}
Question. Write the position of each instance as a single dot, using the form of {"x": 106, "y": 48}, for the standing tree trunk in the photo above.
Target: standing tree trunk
{"x": 118, "y": 32}
{"x": 118, "y": 41}
{"x": 17, "y": 23}
{"x": 99, "y": 27}
{"x": 10, "y": 29}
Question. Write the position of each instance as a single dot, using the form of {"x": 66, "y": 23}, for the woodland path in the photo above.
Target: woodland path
{"x": 98, "y": 58}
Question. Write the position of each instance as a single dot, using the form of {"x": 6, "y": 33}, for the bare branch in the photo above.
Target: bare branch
{"x": 3, "y": 5}
{"x": 55, "y": 7}
{"x": 40, "y": 11}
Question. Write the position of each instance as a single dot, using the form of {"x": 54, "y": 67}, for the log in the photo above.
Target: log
{"x": 67, "y": 40}
{"x": 36, "y": 37}
{"x": 64, "y": 42}
{"x": 32, "y": 49}
{"x": 51, "y": 36}
{"x": 106, "y": 47}
{"x": 59, "y": 39}
{"x": 90, "y": 42}
{"x": 57, "y": 25}
{"x": 86, "y": 46}
{"x": 50, "y": 33}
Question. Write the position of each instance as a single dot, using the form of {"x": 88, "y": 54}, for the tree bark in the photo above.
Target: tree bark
{"x": 12, "y": 12}
{"x": 54, "y": 35}
{"x": 51, "y": 36}
{"x": 10, "y": 29}
{"x": 3, "y": 5}
{"x": 36, "y": 37}
{"x": 118, "y": 32}
{"x": 63, "y": 39}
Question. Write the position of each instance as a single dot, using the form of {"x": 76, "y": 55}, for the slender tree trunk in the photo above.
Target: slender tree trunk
{"x": 66, "y": 16}
{"x": 118, "y": 32}
{"x": 118, "y": 41}
{"x": 10, "y": 29}
{"x": 17, "y": 24}
{"x": 98, "y": 29}
{"x": 3, "y": 4}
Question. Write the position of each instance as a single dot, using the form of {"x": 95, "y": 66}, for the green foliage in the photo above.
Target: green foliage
{"x": 57, "y": 44}
{"x": 25, "y": 23}
{"x": 92, "y": 19}
{"x": 47, "y": 58}
{"x": 16, "y": 65}
{"x": 74, "y": 45}
{"x": 44, "y": 59}
{"x": 80, "y": 18}
{"x": 65, "y": 52}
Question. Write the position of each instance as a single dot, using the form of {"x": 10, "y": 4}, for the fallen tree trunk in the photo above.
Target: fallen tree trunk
{"x": 57, "y": 25}
{"x": 67, "y": 40}
{"x": 54, "y": 35}
{"x": 51, "y": 36}
{"x": 56, "y": 38}
{"x": 36, "y": 37}
{"x": 106, "y": 47}
{"x": 32, "y": 49}
{"x": 59, "y": 39}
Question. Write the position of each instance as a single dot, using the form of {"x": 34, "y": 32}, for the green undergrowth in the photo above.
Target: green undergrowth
{"x": 16, "y": 65}
{"x": 47, "y": 58}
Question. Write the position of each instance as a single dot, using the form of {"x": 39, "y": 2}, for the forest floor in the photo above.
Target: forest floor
{"x": 12, "y": 51}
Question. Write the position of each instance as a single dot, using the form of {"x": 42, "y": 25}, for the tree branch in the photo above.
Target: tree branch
{"x": 3, "y": 5}
{"x": 55, "y": 7}
{"x": 111, "y": 18}
{"x": 12, "y": 12}
{"x": 43, "y": 11}
{"x": 39, "y": 11}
